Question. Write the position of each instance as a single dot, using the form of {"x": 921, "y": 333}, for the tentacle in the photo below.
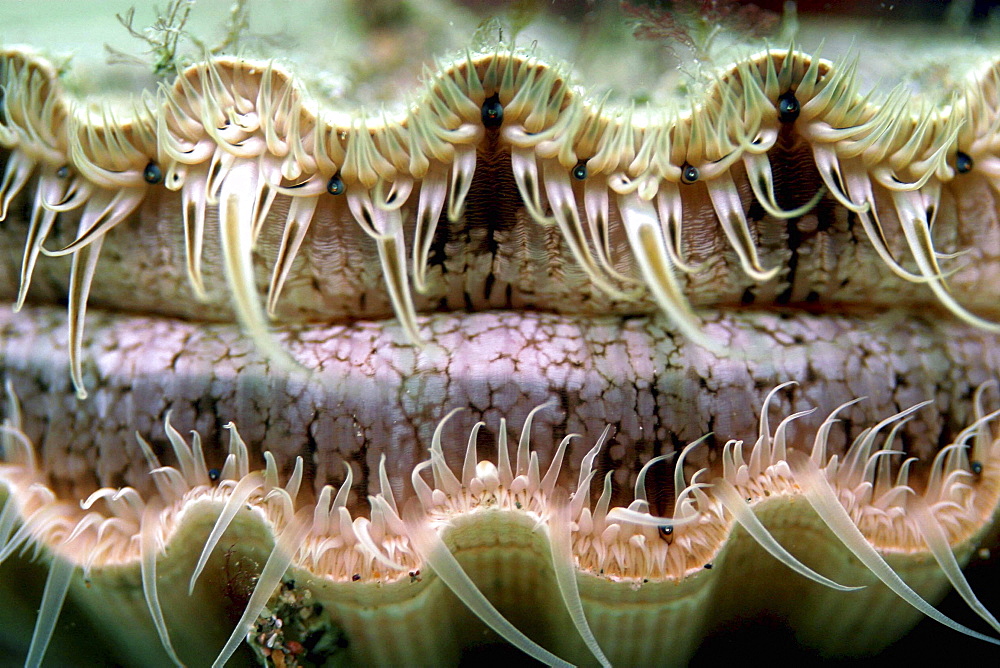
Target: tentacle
{"x": 563, "y": 565}
{"x": 743, "y": 513}
{"x": 236, "y": 227}
{"x": 50, "y": 188}
{"x": 237, "y": 498}
{"x": 300, "y": 215}
{"x": 285, "y": 547}
{"x": 149, "y": 549}
{"x": 823, "y": 499}
{"x": 81, "y": 276}
{"x": 562, "y": 200}
{"x": 433, "y": 193}
{"x": 762, "y": 183}
{"x": 56, "y": 585}
{"x": 934, "y": 535}
{"x": 729, "y": 209}
{"x": 435, "y": 553}
{"x": 650, "y": 249}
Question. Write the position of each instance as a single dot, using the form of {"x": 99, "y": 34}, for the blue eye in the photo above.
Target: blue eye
{"x": 335, "y": 186}
{"x": 689, "y": 174}
{"x": 963, "y": 163}
{"x": 492, "y": 112}
{"x": 580, "y": 171}
{"x": 152, "y": 174}
{"x": 788, "y": 107}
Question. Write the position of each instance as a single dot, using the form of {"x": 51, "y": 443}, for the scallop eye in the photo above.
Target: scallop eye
{"x": 580, "y": 171}
{"x": 689, "y": 174}
{"x": 788, "y": 107}
{"x": 335, "y": 186}
{"x": 62, "y": 172}
{"x": 492, "y": 112}
{"x": 213, "y": 474}
{"x": 666, "y": 530}
{"x": 963, "y": 163}
{"x": 152, "y": 174}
